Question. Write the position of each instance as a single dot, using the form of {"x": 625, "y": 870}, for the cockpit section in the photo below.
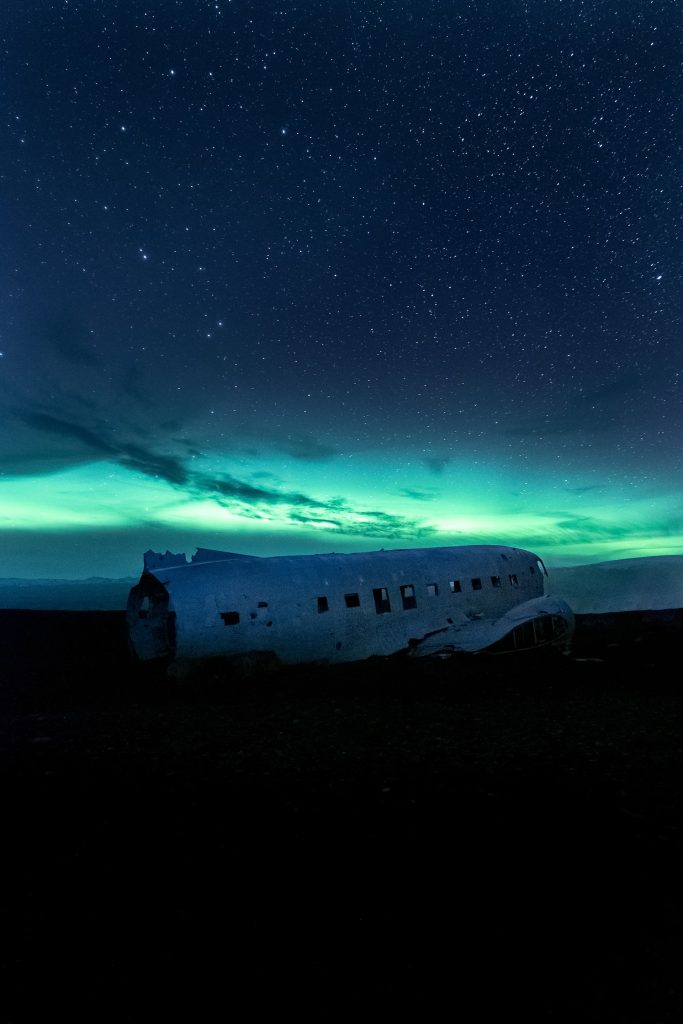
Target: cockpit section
{"x": 543, "y": 631}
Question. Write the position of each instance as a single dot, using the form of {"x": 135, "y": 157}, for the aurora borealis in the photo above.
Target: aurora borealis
{"x": 339, "y": 275}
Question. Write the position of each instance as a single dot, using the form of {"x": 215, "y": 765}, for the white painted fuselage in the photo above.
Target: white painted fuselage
{"x": 344, "y": 607}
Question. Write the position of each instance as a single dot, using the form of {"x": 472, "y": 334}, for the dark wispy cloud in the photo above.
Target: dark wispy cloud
{"x": 253, "y": 500}
{"x": 304, "y": 447}
{"x": 622, "y": 529}
{"x": 409, "y": 492}
{"x": 366, "y": 523}
{"x": 437, "y": 463}
{"x": 68, "y": 335}
{"x": 131, "y": 455}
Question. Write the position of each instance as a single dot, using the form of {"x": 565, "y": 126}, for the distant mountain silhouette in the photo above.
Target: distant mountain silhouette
{"x": 93, "y": 594}
{"x": 626, "y": 584}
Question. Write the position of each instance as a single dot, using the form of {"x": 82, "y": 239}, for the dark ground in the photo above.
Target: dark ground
{"x": 475, "y": 839}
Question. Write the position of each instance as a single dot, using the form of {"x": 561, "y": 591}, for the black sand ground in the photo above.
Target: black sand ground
{"x": 472, "y": 840}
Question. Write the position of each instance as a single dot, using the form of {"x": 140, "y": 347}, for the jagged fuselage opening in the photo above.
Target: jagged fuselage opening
{"x": 151, "y": 626}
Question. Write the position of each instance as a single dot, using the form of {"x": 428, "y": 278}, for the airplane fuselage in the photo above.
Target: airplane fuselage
{"x": 343, "y": 607}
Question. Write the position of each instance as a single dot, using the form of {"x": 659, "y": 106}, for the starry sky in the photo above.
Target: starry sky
{"x": 285, "y": 277}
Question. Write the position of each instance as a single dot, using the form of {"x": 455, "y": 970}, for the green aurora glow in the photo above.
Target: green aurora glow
{"x": 269, "y": 506}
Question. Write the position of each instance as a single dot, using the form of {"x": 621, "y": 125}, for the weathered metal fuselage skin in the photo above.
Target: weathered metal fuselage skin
{"x": 343, "y": 607}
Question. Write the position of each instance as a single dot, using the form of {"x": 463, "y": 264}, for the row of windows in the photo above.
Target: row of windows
{"x": 408, "y": 594}
{"x": 381, "y": 596}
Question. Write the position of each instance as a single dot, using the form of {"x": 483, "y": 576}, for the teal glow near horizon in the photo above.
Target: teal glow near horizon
{"x": 275, "y": 506}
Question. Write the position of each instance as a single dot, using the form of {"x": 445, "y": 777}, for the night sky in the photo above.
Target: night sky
{"x": 339, "y": 275}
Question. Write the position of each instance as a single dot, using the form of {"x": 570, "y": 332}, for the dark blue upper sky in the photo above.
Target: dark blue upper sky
{"x": 338, "y": 273}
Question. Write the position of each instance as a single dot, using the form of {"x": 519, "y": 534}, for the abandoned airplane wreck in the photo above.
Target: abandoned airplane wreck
{"x": 331, "y": 608}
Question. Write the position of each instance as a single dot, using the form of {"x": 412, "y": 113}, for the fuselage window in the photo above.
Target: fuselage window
{"x": 476, "y": 583}
{"x": 513, "y": 579}
{"x": 524, "y": 636}
{"x": 230, "y": 618}
{"x": 495, "y": 581}
{"x": 262, "y": 604}
{"x": 559, "y": 625}
{"x": 352, "y": 600}
{"x": 455, "y": 586}
{"x": 408, "y": 596}
{"x": 432, "y": 590}
{"x": 543, "y": 627}
{"x": 532, "y": 570}
{"x": 323, "y": 605}
{"x": 381, "y": 596}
